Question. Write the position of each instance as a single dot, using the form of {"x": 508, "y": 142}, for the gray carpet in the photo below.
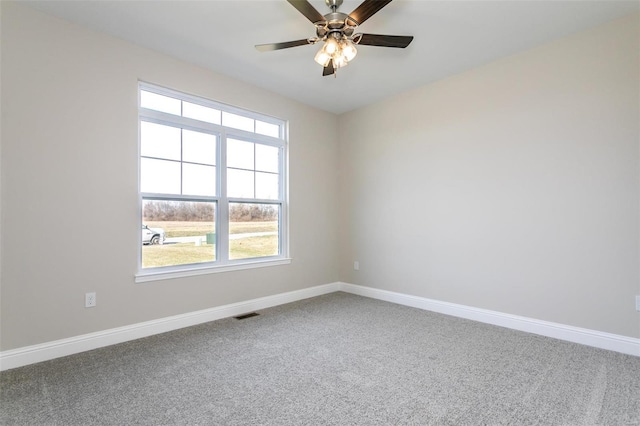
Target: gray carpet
{"x": 337, "y": 359}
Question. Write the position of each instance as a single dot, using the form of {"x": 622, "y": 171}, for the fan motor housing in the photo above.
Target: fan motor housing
{"x": 334, "y": 22}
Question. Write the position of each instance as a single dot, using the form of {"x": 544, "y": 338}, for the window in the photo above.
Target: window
{"x": 212, "y": 186}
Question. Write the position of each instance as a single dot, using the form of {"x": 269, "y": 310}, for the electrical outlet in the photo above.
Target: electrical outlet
{"x": 89, "y": 300}
{"x": 638, "y": 303}
{"x": 356, "y": 265}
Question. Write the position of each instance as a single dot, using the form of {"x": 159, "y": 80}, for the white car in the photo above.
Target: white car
{"x": 152, "y": 235}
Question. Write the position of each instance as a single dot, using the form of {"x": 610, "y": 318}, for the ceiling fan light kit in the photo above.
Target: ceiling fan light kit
{"x": 336, "y": 30}
{"x": 338, "y": 50}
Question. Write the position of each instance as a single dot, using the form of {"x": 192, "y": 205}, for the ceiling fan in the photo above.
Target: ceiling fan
{"x": 337, "y": 31}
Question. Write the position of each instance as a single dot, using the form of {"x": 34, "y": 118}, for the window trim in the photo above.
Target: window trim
{"x": 156, "y": 275}
{"x": 222, "y": 133}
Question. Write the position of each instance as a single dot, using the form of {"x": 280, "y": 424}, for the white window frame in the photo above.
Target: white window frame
{"x": 222, "y": 262}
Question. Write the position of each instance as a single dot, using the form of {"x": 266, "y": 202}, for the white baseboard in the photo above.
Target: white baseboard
{"x": 598, "y": 339}
{"x": 46, "y": 351}
{"x": 31, "y": 354}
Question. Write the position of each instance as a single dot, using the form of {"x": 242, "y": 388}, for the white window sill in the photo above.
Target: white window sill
{"x": 143, "y": 277}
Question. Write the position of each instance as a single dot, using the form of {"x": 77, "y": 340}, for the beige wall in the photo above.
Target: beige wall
{"x": 512, "y": 187}
{"x": 69, "y": 184}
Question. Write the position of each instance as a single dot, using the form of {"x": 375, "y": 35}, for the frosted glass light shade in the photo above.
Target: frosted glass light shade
{"x": 349, "y": 50}
{"x": 322, "y": 57}
{"x": 331, "y": 46}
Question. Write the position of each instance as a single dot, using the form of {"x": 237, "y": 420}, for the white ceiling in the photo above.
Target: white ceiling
{"x": 450, "y": 37}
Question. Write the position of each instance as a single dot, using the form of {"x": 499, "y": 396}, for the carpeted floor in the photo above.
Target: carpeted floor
{"x": 337, "y": 359}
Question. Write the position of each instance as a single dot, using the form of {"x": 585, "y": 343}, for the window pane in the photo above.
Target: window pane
{"x": 267, "y": 158}
{"x": 267, "y": 186}
{"x": 177, "y": 233}
{"x": 159, "y": 176}
{"x": 159, "y": 141}
{"x": 240, "y": 184}
{"x": 199, "y": 112}
{"x": 267, "y": 129}
{"x": 198, "y": 147}
{"x": 159, "y": 102}
{"x": 253, "y": 230}
{"x": 237, "y": 121}
{"x": 198, "y": 179}
{"x": 240, "y": 154}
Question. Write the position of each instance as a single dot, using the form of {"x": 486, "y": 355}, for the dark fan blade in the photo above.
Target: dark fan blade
{"x": 367, "y": 9}
{"x": 385, "y": 40}
{"x": 284, "y": 45}
{"x": 328, "y": 70}
{"x": 307, "y": 10}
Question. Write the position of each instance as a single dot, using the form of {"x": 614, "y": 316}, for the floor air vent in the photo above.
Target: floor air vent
{"x": 245, "y": 316}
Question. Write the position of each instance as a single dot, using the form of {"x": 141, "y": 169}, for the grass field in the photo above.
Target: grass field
{"x": 176, "y": 254}
{"x": 190, "y": 253}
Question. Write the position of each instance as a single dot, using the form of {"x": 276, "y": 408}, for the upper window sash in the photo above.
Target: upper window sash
{"x": 262, "y": 125}
{"x": 160, "y": 117}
